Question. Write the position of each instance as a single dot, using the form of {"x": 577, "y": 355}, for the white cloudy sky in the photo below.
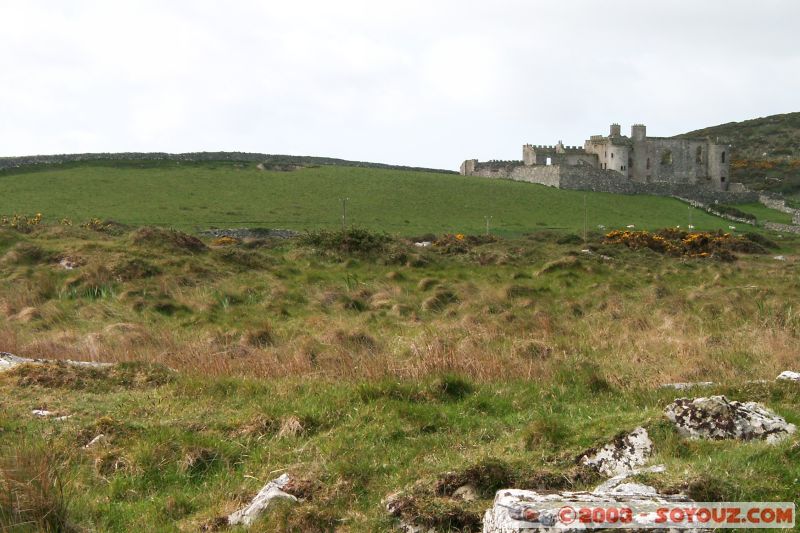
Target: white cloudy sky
{"x": 417, "y": 82}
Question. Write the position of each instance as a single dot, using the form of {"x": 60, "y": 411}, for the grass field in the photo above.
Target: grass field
{"x": 197, "y": 196}
{"x": 363, "y": 371}
{"x": 360, "y": 363}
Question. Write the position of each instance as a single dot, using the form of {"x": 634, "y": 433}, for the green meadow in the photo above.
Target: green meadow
{"x": 198, "y": 196}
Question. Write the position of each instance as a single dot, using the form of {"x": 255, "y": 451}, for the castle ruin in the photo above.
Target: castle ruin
{"x": 626, "y": 165}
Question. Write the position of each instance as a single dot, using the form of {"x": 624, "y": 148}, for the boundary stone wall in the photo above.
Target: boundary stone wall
{"x": 779, "y": 204}
{"x": 7, "y": 163}
{"x": 588, "y": 178}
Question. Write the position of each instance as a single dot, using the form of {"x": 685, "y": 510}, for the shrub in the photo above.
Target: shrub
{"x": 353, "y": 240}
{"x": 761, "y": 239}
{"x": 675, "y": 242}
{"x": 569, "y": 238}
{"x": 734, "y": 212}
{"x": 167, "y": 238}
{"x": 21, "y": 223}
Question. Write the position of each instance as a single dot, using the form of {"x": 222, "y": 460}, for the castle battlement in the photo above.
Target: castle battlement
{"x": 638, "y": 158}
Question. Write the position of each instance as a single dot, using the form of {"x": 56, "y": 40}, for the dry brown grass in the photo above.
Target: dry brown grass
{"x": 641, "y": 320}
{"x": 32, "y": 495}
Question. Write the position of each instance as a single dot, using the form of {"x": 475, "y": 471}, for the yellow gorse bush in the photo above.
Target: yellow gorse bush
{"x": 672, "y": 241}
{"x": 21, "y": 222}
{"x": 225, "y": 241}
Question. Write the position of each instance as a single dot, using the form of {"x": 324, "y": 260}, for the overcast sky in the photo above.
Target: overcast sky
{"x": 426, "y": 82}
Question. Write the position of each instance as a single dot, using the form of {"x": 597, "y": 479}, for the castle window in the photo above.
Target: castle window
{"x": 648, "y": 163}
{"x": 612, "y": 155}
{"x": 698, "y": 156}
{"x": 723, "y": 157}
{"x": 722, "y": 178}
{"x": 549, "y": 161}
{"x": 666, "y": 157}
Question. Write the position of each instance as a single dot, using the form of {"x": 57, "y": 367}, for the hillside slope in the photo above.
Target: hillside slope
{"x": 765, "y": 151}
{"x": 227, "y": 194}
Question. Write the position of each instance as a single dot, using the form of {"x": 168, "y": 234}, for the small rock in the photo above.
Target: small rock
{"x": 780, "y": 258}
{"x": 617, "y": 484}
{"x": 44, "y": 413}
{"x": 718, "y": 418}
{"x": 393, "y": 503}
{"x": 466, "y": 493}
{"x": 687, "y": 385}
{"x": 423, "y": 244}
{"x": 67, "y": 264}
{"x": 101, "y": 438}
{"x": 270, "y": 492}
{"x": 621, "y": 455}
{"x": 9, "y": 361}
{"x": 788, "y": 375}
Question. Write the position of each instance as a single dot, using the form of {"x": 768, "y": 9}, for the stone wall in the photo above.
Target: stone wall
{"x": 591, "y": 179}
{"x": 781, "y": 228}
{"x": 195, "y": 157}
{"x": 515, "y": 170}
{"x": 712, "y": 211}
{"x": 778, "y": 203}
{"x": 586, "y": 178}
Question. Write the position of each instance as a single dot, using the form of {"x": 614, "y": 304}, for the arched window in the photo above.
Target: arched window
{"x": 698, "y": 156}
{"x": 723, "y": 157}
{"x": 666, "y": 157}
{"x": 648, "y": 163}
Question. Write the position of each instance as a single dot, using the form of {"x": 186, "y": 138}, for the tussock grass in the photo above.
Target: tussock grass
{"x": 32, "y": 489}
{"x": 332, "y": 367}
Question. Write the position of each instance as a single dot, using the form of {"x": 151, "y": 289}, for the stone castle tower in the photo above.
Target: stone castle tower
{"x": 618, "y": 163}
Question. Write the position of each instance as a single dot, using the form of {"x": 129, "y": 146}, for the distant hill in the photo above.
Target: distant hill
{"x": 765, "y": 151}
{"x": 138, "y": 159}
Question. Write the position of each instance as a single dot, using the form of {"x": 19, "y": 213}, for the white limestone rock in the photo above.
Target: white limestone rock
{"x": 718, "y": 418}
{"x": 618, "y": 484}
{"x": 44, "y": 413}
{"x": 526, "y": 511}
{"x": 100, "y": 439}
{"x": 269, "y": 493}
{"x": 788, "y": 375}
{"x": 466, "y": 493}
{"x": 9, "y": 361}
{"x": 518, "y": 511}
{"x": 622, "y": 455}
{"x": 687, "y": 385}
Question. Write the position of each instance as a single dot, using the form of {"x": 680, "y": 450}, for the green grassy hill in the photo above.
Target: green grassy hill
{"x": 766, "y": 150}
{"x": 405, "y": 202}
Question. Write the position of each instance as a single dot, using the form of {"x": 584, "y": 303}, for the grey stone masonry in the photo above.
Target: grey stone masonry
{"x": 693, "y": 168}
